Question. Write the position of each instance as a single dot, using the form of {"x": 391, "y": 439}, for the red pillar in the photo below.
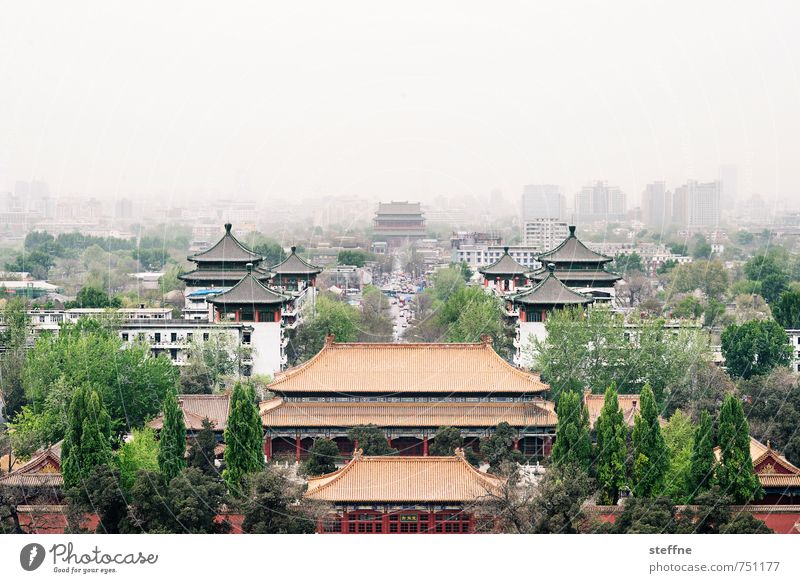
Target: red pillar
{"x": 385, "y": 523}
{"x": 344, "y": 522}
{"x": 278, "y": 315}
{"x": 516, "y": 445}
{"x": 424, "y": 446}
{"x": 355, "y": 447}
{"x": 389, "y": 441}
{"x": 268, "y": 447}
{"x": 297, "y": 447}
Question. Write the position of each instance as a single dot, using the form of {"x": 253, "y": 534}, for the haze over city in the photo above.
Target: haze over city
{"x": 196, "y": 101}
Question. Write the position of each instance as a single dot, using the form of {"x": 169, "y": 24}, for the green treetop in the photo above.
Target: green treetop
{"x": 573, "y": 445}
{"x": 172, "y": 445}
{"x": 701, "y": 470}
{"x": 735, "y": 473}
{"x": 650, "y": 455}
{"x": 612, "y": 450}
{"x": 244, "y": 453}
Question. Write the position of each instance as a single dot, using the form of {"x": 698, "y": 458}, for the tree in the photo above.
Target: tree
{"x": 12, "y": 359}
{"x": 735, "y": 474}
{"x": 573, "y": 445}
{"x": 712, "y": 515}
{"x": 376, "y": 319}
{"x": 244, "y": 437}
{"x": 87, "y": 442}
{"x": 767, "y": 270}
{"x": 322, "y": 457}
{"x": 612, "y": 450}
{"x": 139, "y": 453}
{"x": 646, "y": 516}
{"x": 354, "y": 257}
{"x": 332, "y": 318}
{"x": 710, "y": 277}
{"x": 91, "y": 297}
{"x": 630, "y": 262}
{"x": 772, "y": 407}
{"x": 100, "y": 494}
{"x": 273, "y": 505}
{"x": 172, "y": 443}
{"x": 201, "y": 449}
{"x": 370, "y": 439}
{"x": 787, "y": 310}
{"x": 678, "y": 435}
{"x": 498, "y": 448}
{"x": 755, "y": 348}
{"x": 195, "y": 500}
{"x": 447, "y": 440}
{"x": 701, "y": 466}
{"x": 688, "y": 307}
{"x": 650, "y": 455}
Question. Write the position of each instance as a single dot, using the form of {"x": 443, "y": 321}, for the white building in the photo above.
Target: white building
{"x": 480, "y": 255}
{"x": 544, "y": 234}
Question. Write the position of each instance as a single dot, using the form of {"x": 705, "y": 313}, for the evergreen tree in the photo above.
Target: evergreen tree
{"x": 87, "y": 442}
{"x": 498, "y": 450}
{"x": 612, "y": 449}
{"x": 573, "y": 444}
{"x": 701, "y": 470}
{"x": 735, "y": 473}
{"x": 650, "y": 456}
{"x": 172, "y": 444}
{"x": 322, "y": 457}
{"x": 201, "y": 449}
{"x": 244, "y": 437}
{"x": 371, "y": 440}
{"x": 274, "y": 504}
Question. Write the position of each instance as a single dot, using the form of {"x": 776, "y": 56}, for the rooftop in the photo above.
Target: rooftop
{"x": 198, "y": 407}
{"x": 228, "y": 249}
{"x": 572, "y": 250}
{"x": 295, "y": 265}
{"x": 630, "y": 405}
{"x": 406, "y": 368}
{"x": 279, "y": 413}
{"x": 506, "y": 265}
{"x": 249, "y": 290}
{"x": 399, "y": 208}
{"x": 551, "y": 291}
{"x": 404, "y": 479}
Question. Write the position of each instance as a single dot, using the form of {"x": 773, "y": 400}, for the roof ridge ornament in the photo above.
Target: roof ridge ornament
{"x": 572, "y": 230}
{"x": 294, "y": 249}
{"x": 249, "y": 267}
{"x": 228, "y": 227}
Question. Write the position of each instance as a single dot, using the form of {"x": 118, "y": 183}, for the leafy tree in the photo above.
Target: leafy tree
{"x": 91, "y": 297}
{"x": 87, "y": 442}
{"x": 767, "y": 270}
{"x": 149, "y": 506}
{"x": 735, "y": 474}
{"x": 678, "y": 248}
{"x": 498, "y": 448}
{"x": 139, "y": 453}
{"x": 332, "y": 318}
{"x": 244, "y": 437}
{"x": 650, "y": 454}
{"x": 710, "y": 277}
{"x": 272, "y": 252}
{"x": 172, "y": 443}
{"x": 689, "y": 307}
{"x": 647, "y": 516}
{"x": 678, "y": 434}
{"x": 772, "y": 407}
{"x": 447, "y": 440}
{"x": 376, "y": 319}
{"x": 273, "y": 506}
{"x": 322, "y": 457}
{"x": 354, "y": 257}
{"x": 370, "y": 439}
{"x": 630, "y": 262}
{"x": 755, "y": 348}
{"x": 100, "y": 494}
{"x": 711, "y": 514}
{"x": 787, "y": 310}
{"x": 573, "y": 445}
{"x": 701, "y": 466}
{"x": 201, "y": 449}
{"x": 195, "y": 500}
{"x": 12, "y": 359}
{"x": 612, "y": 449}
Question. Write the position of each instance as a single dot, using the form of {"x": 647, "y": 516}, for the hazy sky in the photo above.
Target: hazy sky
{"x": 397, "y": 100}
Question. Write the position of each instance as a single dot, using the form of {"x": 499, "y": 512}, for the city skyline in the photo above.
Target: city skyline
{"x": 107, "y": 104}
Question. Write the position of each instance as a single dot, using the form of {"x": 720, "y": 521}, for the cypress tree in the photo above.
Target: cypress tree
{"x": 701, "y": 470}
{"x": 612, "y": 449}
{"x": 172, "y": 442}
{"x": 573, "y": 444}
{"x": 735, "y": 473}
{"x": 87, "y": 442}
{"x": 244, "y": 438}
{"x": 201, "y": 449}
{"x": 650, "y": 455}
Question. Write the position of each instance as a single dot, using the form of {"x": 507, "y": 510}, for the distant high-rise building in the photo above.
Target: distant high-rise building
{"x": 697, "y": 204}
{"x": 542, "y": 201}
{"x": 728, "y": 179}
{"x": 544, "y": 234}
{"x": 600, "y": 201}
{"x": 657, "y": 205}
{"x": 123, "y": 209}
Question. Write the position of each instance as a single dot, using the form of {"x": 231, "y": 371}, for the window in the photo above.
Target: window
{"x": 246, "y": 338}
{"x": 124, "y": 336}
{"x": 173, "y": 353}
{"x": 205, "y": 336}
{"x": 189, "y": 336}
{"x": 157, "y": 337}
{"x": 173, "y": 337}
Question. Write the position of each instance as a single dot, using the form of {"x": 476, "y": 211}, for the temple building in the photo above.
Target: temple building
{"x": 409, "y": 391}
{"x": 37, "y": 482}
{"x": 531, "y": 308}
{"x": 296, "y": 278}
{"x": 579, "y": 268}
{"x": 403, "y": 495}
{"x": 251, "y": 301}
{"x": 397, "y": 223}
{"x": 505, "y": 275}
{"x": 779, "y": 478}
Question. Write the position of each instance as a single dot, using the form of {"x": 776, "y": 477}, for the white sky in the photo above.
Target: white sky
{"x": 402, "y": 100}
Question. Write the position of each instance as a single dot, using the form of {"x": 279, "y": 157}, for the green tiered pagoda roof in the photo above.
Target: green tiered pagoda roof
{"x": 249, "y": 291}
{"x": 506, "y": 265}
{"x": 227, "y": 250}
{"x": 295, "y": 265}
{"x": 551, "y": 292}
{"x": 576, "y": 265}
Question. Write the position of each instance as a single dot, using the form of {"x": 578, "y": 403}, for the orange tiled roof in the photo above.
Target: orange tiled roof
{"x": 404, "y": 479}
{"x": 407, "y": 368}
{"x": 760, "y": 452}
{"x": 43, "y": 470}
{"x": 629, "y": 404}
{"x": 279, "y": 413}
{"x": 198, "y": 407}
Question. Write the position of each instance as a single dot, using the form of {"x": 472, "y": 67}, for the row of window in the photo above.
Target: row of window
{"x": 158, "y": 337}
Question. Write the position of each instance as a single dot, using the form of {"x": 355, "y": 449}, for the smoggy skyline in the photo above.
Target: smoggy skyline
{"x": 426, "y": 100}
